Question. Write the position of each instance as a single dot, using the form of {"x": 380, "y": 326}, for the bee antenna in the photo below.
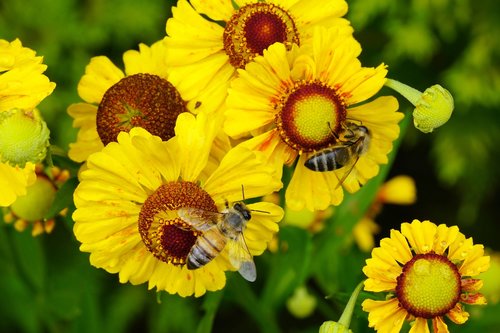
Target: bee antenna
{"x": 243, "y": 192}
{"x": 331, "y": 130}
{"x": 260, "y": 211}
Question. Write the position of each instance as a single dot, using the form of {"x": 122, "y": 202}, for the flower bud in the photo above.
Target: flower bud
{"x": 24, "y": 137}
{"x": 433, "y": 109}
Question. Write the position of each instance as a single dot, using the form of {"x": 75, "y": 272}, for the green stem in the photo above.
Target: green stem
{"x": 345, "y": 318}
{"x": 411, "y": 94}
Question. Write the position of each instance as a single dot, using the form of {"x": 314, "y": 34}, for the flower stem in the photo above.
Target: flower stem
{"x": 411, "y": 94}
{"x": 345, "y": 318}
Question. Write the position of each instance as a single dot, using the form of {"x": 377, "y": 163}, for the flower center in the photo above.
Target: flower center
{"x": 139, "y": 100}
{"x": 255, "y": 27}
{"x": 163, "y": 232}
{"x": 309, "y": 116}
{"x": 429, "y": 285}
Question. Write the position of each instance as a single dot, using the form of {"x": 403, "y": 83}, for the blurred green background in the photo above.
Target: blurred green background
{"x": 47, "y": 285}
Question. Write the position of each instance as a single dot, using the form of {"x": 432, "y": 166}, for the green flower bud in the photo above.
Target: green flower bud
{"x": 333, "y": 327}
{"x": 24, "y": 137}
{"x": 36, "y": 203}
{"x": 433, "y": 107}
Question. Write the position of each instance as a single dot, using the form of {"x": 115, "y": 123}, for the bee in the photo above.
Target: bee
{"x": 219, "y": 230}
{"x": 353, "y": 142}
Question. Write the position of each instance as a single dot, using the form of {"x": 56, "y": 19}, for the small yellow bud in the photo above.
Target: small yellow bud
{"x": 433, "y": 107}
{"x": 35, "y": 204}
{"x": 24, "y": 137}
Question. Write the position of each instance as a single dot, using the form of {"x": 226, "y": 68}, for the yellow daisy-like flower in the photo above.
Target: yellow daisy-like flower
{"x": 129, "y": 196}
{"x": 229, "y": 34}
{"x": 140, "y": 96}
{"x": 427, "y": 270}
{"x": 22, "y": 83}
{"x": 24, "y": 135}
{"x": 306, "y": 100}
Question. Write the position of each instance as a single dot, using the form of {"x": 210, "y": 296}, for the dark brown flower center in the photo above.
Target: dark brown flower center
{"x": 165, "y": 234}
{"x": 309, "y": 115}
{"x": 429, "y": 285}
{"x": 139, "y": 100}
{"x": 255, "y": 27}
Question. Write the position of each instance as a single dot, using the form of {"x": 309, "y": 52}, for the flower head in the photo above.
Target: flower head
{"x": 427, "y": 271}
{"x": 130, "y": 194}
{"x": 307, "y": 100}
{"x": 433, "y": 107}
{"x": 139, "y": 96}
{"x": 23, "y": 133}
{"x": 230, "y": 34}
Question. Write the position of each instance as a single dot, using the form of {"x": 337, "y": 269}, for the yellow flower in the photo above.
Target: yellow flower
{"x": 140, "y": 96}
{"x": 130, "y": 193}
{"x": 24, "y": 135}
{"x": 22, "y": 83}
{"x": 301, "y": 101}
{"x": 426, "y": 270}
{"x": 229, "y": 34}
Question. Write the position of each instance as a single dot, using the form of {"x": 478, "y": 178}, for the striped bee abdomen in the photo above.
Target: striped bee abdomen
{"x": 206, "y": 248}
{"x": 328, "y": 160}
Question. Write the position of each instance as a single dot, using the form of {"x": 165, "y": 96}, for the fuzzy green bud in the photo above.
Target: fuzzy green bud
{"x": 24, "y": 137}
{"x": 333, "y": 327}
{"x": 36, "y": 203}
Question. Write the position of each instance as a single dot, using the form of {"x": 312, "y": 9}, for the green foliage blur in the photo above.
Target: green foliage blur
{"x": 48, "y": 285}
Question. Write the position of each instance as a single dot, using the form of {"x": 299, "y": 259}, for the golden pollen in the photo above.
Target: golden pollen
{"x": 429, "y": 285}
{"x": 139, "y": 100}
{"x": 309, "y": 116}
{"x": 255, "y": 27}
{"x": 163, "y": 232}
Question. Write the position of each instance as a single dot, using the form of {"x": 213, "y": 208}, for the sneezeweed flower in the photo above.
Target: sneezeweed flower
{"x": 31, "y": 209}
{"x": 139, "y": 96}
{"x": 295, "y": 102}
{"x": 128, "y": 198}
{"x": 427, "y": 271}
{"x": 230, "y": 34}
{"x": 23, "y": 133}
{"x": 433, "y": 107}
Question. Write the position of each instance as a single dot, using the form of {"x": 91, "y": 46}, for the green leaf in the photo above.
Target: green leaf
{"x": 210, "y": 305}
{"x": 63, "y": 199}
{"x": 289, "y": 267}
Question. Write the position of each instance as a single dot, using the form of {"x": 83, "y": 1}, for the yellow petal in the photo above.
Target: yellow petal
{"x": 384, "y": 316}
{"x": 100, "y": 75}
{"x": 13, "y": 182}
{"x": 397, "y": 246}
{"x": 420, "y": 235}
{"x": 439, "y": 325}
{"x": 420, "y": 326}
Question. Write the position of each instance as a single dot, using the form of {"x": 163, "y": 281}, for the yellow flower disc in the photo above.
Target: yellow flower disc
{"x": 139, "y": 100}
{"x": 309, "y": 116}
{"x": 429, "y": 285}
{"x": 165, "y": 234}
{"x": 255, "y": 27}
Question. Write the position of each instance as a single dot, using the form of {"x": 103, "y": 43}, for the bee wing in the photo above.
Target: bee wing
{"x": 199, "y": 219}
{"x": 240, "y": 258}
{"x": 346, "y": 171}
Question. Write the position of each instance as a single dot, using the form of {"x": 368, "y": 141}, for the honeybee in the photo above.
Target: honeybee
{"x": 219, "y": 229}
{"x": 353, "y": 142}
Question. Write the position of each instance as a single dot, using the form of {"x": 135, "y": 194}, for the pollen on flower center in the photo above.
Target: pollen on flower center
{"x": 139, "y": 100}
{"x": 309, "y": 116}
{"x": 255, "y": 27}
{"x": 165, "y": 234}
{"x": 429, "y": 285}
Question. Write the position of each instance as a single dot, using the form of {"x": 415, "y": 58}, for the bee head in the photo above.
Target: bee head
{"x": 243, "y": 210}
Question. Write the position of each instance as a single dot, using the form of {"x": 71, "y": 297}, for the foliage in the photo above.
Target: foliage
{"x": 47, "y": 284}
